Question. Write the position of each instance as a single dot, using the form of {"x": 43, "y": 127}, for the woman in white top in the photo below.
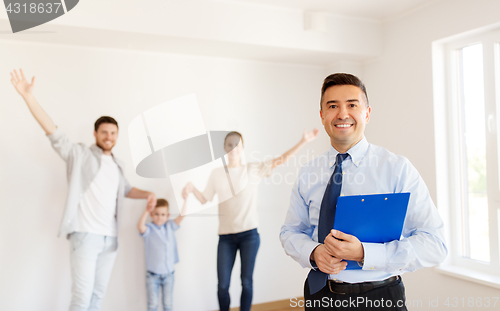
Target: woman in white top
{"x": 236, "y": 187}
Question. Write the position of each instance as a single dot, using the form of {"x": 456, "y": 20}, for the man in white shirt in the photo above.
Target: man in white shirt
{"x": 96, "y": 191}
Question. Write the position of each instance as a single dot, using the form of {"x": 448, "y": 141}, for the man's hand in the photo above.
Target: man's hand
{"x": 187, "y": 190}
{"x": 326, "y": 262}
{"x": 345, "y": 246}
{"x": 21, "y": 84}
{"x": 151, "y": 202}
{"x": 25, "y": 89}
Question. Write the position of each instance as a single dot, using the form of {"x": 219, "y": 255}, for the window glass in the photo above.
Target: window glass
{"x": 474, "y": 192}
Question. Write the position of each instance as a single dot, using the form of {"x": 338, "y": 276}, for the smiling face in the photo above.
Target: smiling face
{"x": 160, "y": 215}
{"x": 233, "y": 146}
{"x": 105, "y": 137}
{"x": 344, "y": 114}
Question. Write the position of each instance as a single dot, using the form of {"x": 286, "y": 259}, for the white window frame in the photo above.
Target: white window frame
{"x": 447, "y": 146}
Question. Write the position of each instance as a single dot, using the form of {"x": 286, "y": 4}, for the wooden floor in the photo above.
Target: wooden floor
{"x": 282, "y": 305}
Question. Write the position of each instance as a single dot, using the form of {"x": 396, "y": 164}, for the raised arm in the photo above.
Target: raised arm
{"x": 183, "y": 213}
{"x": 135, "y": 193}
{"x": 190, "y": 188}
{"x": 25, "y": 89}
{"x": 306, "y": 137}
{"x": 141, "y": 225}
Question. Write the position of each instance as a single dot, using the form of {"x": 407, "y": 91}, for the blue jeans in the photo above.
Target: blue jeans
{"x": 153, "y": 283}
{"x": 92, "y": 260}
{"x": 248, "y": 243}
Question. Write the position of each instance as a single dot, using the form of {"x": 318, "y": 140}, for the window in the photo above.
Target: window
{"x": 467, "y": 123}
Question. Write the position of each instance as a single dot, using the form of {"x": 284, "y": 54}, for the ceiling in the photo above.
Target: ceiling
{"x": 373, "y": 9}
{"x": 248, "y": 29}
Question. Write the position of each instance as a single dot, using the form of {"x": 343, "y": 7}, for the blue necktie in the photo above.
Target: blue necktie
{"x": 317, "y": 278}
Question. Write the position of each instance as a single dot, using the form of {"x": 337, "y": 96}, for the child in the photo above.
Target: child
{"x": 161, "y": 253}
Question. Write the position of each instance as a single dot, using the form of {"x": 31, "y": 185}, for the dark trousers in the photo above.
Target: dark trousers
{"x": 248, "y": 243}
{"x": 388, "y": 297}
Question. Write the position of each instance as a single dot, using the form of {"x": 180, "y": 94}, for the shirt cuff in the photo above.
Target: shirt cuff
{"x": 174, "y": 225}
{"x": 306, "y": 252}
{"x": 128, "y": 187}
{"x": 56, "y": 135}
{"x": 146, "y": 233}
{"x": 375, "y": 256}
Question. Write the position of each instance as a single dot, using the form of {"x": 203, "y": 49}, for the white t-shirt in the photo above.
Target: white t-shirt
{"x": 97, "y": 209}
{"x": 239, "y": 212}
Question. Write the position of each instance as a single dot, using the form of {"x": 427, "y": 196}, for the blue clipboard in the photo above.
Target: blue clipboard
{"x": 374, "y": 218}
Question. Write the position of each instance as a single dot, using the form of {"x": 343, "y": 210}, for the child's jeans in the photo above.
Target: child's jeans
{"x": 153, "y": 283}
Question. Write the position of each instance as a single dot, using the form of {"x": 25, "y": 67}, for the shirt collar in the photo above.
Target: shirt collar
{"x": 357, "y": 152}
{"x": 159, "y": 227}
{"x": 98, "y": 153}
{"x": 96, "y": 150}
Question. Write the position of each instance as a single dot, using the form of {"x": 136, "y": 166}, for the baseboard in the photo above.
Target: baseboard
{"x": 270, "y": 306}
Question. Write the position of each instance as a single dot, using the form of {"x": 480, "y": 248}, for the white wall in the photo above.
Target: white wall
{"x": 269, "y": 103}
{"x": 399, "y": 84}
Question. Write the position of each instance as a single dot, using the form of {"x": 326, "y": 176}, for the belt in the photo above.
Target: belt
{"x": 357, "y": 288}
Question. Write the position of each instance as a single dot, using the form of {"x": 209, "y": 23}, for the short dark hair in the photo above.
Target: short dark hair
{"x": 104, "y": 119}
{"x": 161, "y": 203}
{"x": 233, "y": 133}
{"x": 341, "y": 79}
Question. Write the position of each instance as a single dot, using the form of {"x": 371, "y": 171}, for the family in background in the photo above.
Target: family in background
{"x": 97, "y": 188}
